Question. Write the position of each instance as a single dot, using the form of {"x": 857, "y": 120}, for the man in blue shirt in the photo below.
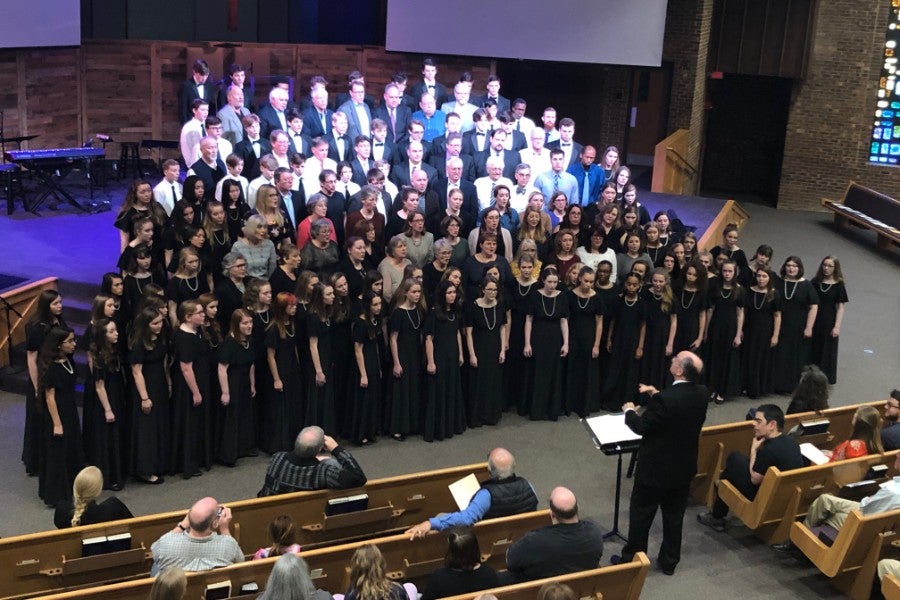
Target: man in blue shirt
{"x": 588, "y": 175}
{"x": 502, "y": 495}
{"x": 431, "y": 117}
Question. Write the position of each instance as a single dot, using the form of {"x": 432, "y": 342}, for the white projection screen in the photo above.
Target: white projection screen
{"x": 615, "y": 32}
{"x": 39, "y": 23}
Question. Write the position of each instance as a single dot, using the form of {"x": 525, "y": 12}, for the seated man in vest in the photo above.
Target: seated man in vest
{"x": 830, "y": 511}
{"x": 568, "y": 545}
{"x": 502, "y": 495}
{"x": 316, "y": 463}
{"x": 769, "y": 448}
{"x": 201, "y": 541}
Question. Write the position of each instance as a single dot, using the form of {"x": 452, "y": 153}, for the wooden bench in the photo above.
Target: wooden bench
{"x": 407, "y": 561}
{"x": 50, "y": 561}
{"x": 890, "y": 587}
{"x": 717, "y": 441}
{"x": 619, "y": 582}
{"x": 850, "y": 562}
{"x": 868, "y": 209}
{"x": 784, "y": 496}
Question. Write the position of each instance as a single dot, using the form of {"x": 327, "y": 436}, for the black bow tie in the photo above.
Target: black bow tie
{"x": 480, "y": 134}
{"x": 377, "y": 145}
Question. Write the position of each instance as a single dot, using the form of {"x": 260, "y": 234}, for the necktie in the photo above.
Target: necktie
{"x": 565, "y": 145}
{"x": 202, "y": 130}
{"x": 393, "y": 113}
{"x": 556, "y": 182}
{"x": 585, "y": 189}
{"x": 322, "y": 119}
{"x": 346, "y": 192}
{"x": 519, "y": 125}
{"x": 174, "y": 193}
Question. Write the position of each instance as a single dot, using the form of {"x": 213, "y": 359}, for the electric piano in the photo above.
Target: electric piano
{"x": 51, "y": 166}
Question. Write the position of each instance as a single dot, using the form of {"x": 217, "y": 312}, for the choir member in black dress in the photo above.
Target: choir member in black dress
{"x": 342, "y": 347}
{"x": 109, "y": 416}
{"x": 113, "y": 286}
{"x": 444, "y": 413}
{"x": 83, "y": 508}
{"x": 432, "y": 272}
{"x": 671, "y": 265}
{"x": 691, "y": 303}
{"x": 473, "y": 268}
{"x": 761, "y": 260}
{"x": 546, "y": 343}
{"x": 144, "y": 231}
{"x": 642, "y": 270}
{"x": 630, "y": 204}
{"x": 218, "y": 238}
{"x": 607, "y": 221}
{"x": 188, "y": 283}
{"x": 519, "y": 292}
{"x": 661, "y": 325}
{"x": 573, "y": 222}
{"x": 102, "y": 307}
{"x": 374, "y": 249}
{"x": 531, "y": 228}
{"x": 487, "y": 337}
{"x": 353, "y": 266}
{"x": 49, "y": 314}
{"x": 237, "y": 380}
{"x": 268, "y": 207}
{"x": 364, "y": 414}
{"x": 829, "y": 284}
{"x": 230, "y": 288}
{"x": 689, "y": 241}
{"x": 724, "y": 334}
{"x": 585, "y": 332}
{"x": 667, "y": 237}
{"x": 150, "y": 397}
{"x": 320, "y": 387}
{"x": 799, "y": 307}
{"x": 284, "y": 279}
{"x": 632, "y": 252}
{"x": 563, "y": 255}
{"x": 139, "y": 203}
{"x": 258, "y": 301}
{"x": 627, "y": 332}
{"x": 731, "y": 250}
{"x": 195, "y": 197}
{"x": 139, "y": 273}
{"x": 63, "y": 455}
{"x": 212, "y": 335}
{"x": 405, "y": 329}
{"x": 321, "y": 254}
{"x": 287, "y": 408}
{"x": 191, "y": 441}
{"x": 177, "y": 233}
{"x": 762, "y": 326}
{"x": 236, "y": 208}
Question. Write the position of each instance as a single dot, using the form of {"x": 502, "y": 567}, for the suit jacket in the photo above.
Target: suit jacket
{"x": 510, "y": 162}
{"x": 503, "y": 102}
{"x": 344, "y": 97}
{"x": 469, "y": 142}
{"x": 301, "y": 145}
{"x": 244, "y": 149}
{"x": 388, "y": 151}
{"x": 404, "y": 115}
{"x": 268, "y": 121}
{"x": 400, "y": 175}
{"x": 359, "y": 170}
{"x": 400, "y": 152}
{"x": 223, "y": 96}
{"x": 187, "y": 93}
{"x": 232, "y": 128}
{"x": 333, "y": 148}
{"x": 518, "y": 141}
{"x": 440, "y": 92}
{"x": 355, "y": 128}
{"x": 298, "y": 199}
{"x": 470, "y": 198}
{"x": 439, "y": 162}
{"x": 670, "y": 429}
{"x": 576, "y": 151}
{"x": 313, "y": 126}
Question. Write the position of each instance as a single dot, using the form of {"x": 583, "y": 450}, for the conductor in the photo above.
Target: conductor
{"x": 667, "y": 459}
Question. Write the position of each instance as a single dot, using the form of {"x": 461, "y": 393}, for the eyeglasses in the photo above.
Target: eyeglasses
{"x": 889, "y": 405}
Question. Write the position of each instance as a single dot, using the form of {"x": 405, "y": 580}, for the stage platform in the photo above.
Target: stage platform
{"x": 79, "y": 247}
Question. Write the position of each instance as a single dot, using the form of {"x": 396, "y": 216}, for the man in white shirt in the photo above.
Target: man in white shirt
{"x": 315, "y": 164}
{"x": 461, "y": 106}
{"x": 267, "y": 166}
{"x": 537, "y": 156}
{"x": 358, "y": 114}
{"x": 168, "y": 191}
{"x": 484, "y": 186}
{"x": 235, "y": 166}
{"x": 281, "y": 146}
{"x": 548, "y": 121}
{"x": 566, "y": 142}
{"x": 519, "y": 193}
{"x": 214, "y": 130}
{"x": 194, "y": 130}
{"x": 523, "y": 123}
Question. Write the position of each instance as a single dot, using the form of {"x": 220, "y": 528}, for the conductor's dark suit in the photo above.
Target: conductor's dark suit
{"x": 667, "y": 462}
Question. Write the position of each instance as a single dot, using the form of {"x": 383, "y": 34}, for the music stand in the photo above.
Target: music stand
{"x": 613, "y": 437}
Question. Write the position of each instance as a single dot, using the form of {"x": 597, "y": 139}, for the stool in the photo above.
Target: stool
{"x": 11, "y": 181}
{"x": 129, "y": 158}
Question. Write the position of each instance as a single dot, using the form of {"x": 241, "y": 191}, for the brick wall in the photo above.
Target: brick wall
{"x": 832, "y": 109}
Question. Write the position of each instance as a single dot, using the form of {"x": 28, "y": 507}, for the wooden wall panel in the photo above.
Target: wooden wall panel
{"x": 52, "y": 108}
{"x": 118, "y": 85}
{"x": 9, "y": 81}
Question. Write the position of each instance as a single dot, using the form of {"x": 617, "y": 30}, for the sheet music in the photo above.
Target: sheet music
{"x": 463, "y": 490}
{"x": 610, "y": 429}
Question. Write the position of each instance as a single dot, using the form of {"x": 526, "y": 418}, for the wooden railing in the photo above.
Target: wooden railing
{"x": 673, "y": 173}
{"x": 732, "y": 212}
{"x": 24, "y": 300}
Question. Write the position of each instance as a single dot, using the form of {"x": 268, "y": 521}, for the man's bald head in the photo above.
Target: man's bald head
{"x": 563, "y": 505}
{"x": 501, "y": 463}
{"x": 202, "y": 514}
{"x": 688, "y": 366}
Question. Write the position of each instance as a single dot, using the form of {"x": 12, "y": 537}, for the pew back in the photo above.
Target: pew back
{"x": 618, "y": 582}
{"x": 49, "y": 561}
{"x": 407, "y": 561}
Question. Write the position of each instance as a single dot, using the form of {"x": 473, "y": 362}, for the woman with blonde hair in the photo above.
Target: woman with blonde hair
{"x": 171, "y": 584}
{"x": 864, "y": 439}
{"x": 267, "y": 206}
{"x": 83, "y": 509}
{"x": 369, "y": 580}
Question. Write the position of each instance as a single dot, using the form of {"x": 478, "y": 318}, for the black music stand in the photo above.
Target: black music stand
{"x": 613, "y": 438}
{"x": 159, "y": 146}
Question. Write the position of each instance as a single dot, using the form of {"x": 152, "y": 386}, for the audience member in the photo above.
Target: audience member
{"x": 463, "y": 572}
{"x": 290, "y": 580}
{"x": 84, "y": 509}
{"x": 890, "y": 431}
{"x": 284, "y": 538}
{"x": 171, "y": 584}
{"x": 199, "y": 542}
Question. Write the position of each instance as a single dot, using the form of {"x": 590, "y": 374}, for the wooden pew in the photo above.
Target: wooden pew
{"x": 851, "y": 561}
{"x": 868, "y": 209}
{"x": 407, "y": 561}
{"x": 46, "y": 562}
{"x": 785, "y": 496}
{"x": 717, "y": 441}
{"x": 619, "y": 582}
{"x": 890, "y": 587}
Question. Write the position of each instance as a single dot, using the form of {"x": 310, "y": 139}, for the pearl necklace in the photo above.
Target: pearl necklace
{"x": 411, "y": 322}
{"x": 759, "y": 307}
{"x": 216, "y": 238}
{"x": 586, "y": 301}
{"x": 264, "y": 319}
{"x": 289, "y": 330}
{"x": 722, "y": 293}
{"x": 67, "y": 366}
{"x": 823, "y": 288}
{"x": 633, "y": 302}
{"x": 544, "y": 306}
{"x": 793, "y": 293}
{"x": 693, "y": 295}
{"x": 527, "y": 288}
{"x": 187, "y": 282}
{"x": 486, "y": 320}
{"x": 655, "y": 253}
